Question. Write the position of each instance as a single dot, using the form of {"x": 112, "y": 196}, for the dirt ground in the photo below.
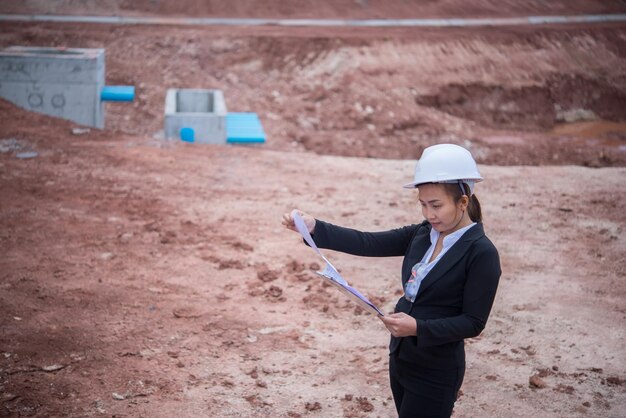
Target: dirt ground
{"x": 149, "y": 277}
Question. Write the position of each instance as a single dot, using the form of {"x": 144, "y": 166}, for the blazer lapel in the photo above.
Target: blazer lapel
{"x": 421, "y": 247}
{"x": 450, "y": 258}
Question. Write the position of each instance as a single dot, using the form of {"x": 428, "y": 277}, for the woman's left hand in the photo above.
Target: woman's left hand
{"x": 400, "y": 324}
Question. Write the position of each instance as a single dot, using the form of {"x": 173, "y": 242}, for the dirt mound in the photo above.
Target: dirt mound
{"x": 494, "y": 106}
{"x": 535, "y": 108}
{"x": 375, "y": 93}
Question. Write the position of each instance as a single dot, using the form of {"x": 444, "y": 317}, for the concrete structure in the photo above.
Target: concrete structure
{"x": 66, "y": 83}
{"x": 195, "y": 115}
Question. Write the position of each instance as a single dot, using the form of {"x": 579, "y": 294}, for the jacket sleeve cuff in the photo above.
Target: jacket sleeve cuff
{"x": 320, "y": 234}
{"x": 422, "y": 329}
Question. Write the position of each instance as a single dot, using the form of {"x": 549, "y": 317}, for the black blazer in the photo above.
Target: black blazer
{"x": 454, "y": 299}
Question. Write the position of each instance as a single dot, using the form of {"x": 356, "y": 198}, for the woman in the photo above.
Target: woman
{"x": 450, "y": 274}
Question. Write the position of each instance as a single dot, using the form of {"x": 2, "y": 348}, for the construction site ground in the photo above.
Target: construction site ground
{"x": 144, "y": 276}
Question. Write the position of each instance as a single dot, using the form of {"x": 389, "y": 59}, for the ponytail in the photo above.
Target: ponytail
{"x": 473, "y": 209}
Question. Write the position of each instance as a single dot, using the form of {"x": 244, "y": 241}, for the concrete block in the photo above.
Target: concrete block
{"x": 61, "y": 82}
{"x": 195, "y": 115}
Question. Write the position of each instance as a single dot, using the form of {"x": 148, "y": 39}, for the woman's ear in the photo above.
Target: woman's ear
{"x": 464, "y": 202}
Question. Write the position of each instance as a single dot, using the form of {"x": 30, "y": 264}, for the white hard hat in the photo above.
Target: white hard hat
{"x": 445, "y": 163}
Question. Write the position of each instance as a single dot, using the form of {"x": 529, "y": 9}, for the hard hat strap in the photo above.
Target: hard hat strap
{"x": 462, "y": 188}
{"x": 470, "y": 185}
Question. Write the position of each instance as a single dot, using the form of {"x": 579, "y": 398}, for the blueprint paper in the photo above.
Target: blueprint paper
{"x": 353, "y": 294}
{"x": 330, "y": 272}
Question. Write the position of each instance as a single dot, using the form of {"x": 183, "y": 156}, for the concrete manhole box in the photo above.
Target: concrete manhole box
{"x": 61, "y": 82}
{"x": 195, "y": 115}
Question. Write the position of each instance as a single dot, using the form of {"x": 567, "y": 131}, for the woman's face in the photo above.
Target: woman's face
{"x": 439, "y": 208}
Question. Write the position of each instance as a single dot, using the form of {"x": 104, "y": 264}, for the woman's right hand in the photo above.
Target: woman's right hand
{"x": 309, "y": 221}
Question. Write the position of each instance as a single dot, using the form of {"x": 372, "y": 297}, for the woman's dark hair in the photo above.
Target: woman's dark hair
{"x": 473, "y": 208}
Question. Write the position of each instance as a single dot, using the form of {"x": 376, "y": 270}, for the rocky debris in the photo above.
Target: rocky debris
{"x": 80, "y": 131}
{"x": 99, "y": 405}
{"x": 615, "y": 381}
{"x": 294, "y": 267}
{"x": 562, "y": 388}
{"x": 231, "y": 264}
{"x": 573, "y": 115}
{"x": 242, "y": 246}
{"x": 274, "y": 292}
{"x": 537, "y": 382}
{"x": 313, "y": 406}
{"x": 53, "y": 368}
{"x": 303, "y": 277}
{"x": 254, "y": 373}
{"x": 126, "y": 237}
{"x": 186, "y": 313}
{"x": 137, "y": 389}
{"x": 314, "y": 266}
{"x": 26, "y": 155}
{"x": 364, "y": 404}
{"x": 256, "y": 401}
{"x": 265, "y": 274}
{"x": 10, "y": 145}
{"x": 167, "y": 237}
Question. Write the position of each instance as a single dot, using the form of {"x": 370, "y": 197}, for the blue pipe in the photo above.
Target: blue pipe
{"x": 118, "y": 94}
